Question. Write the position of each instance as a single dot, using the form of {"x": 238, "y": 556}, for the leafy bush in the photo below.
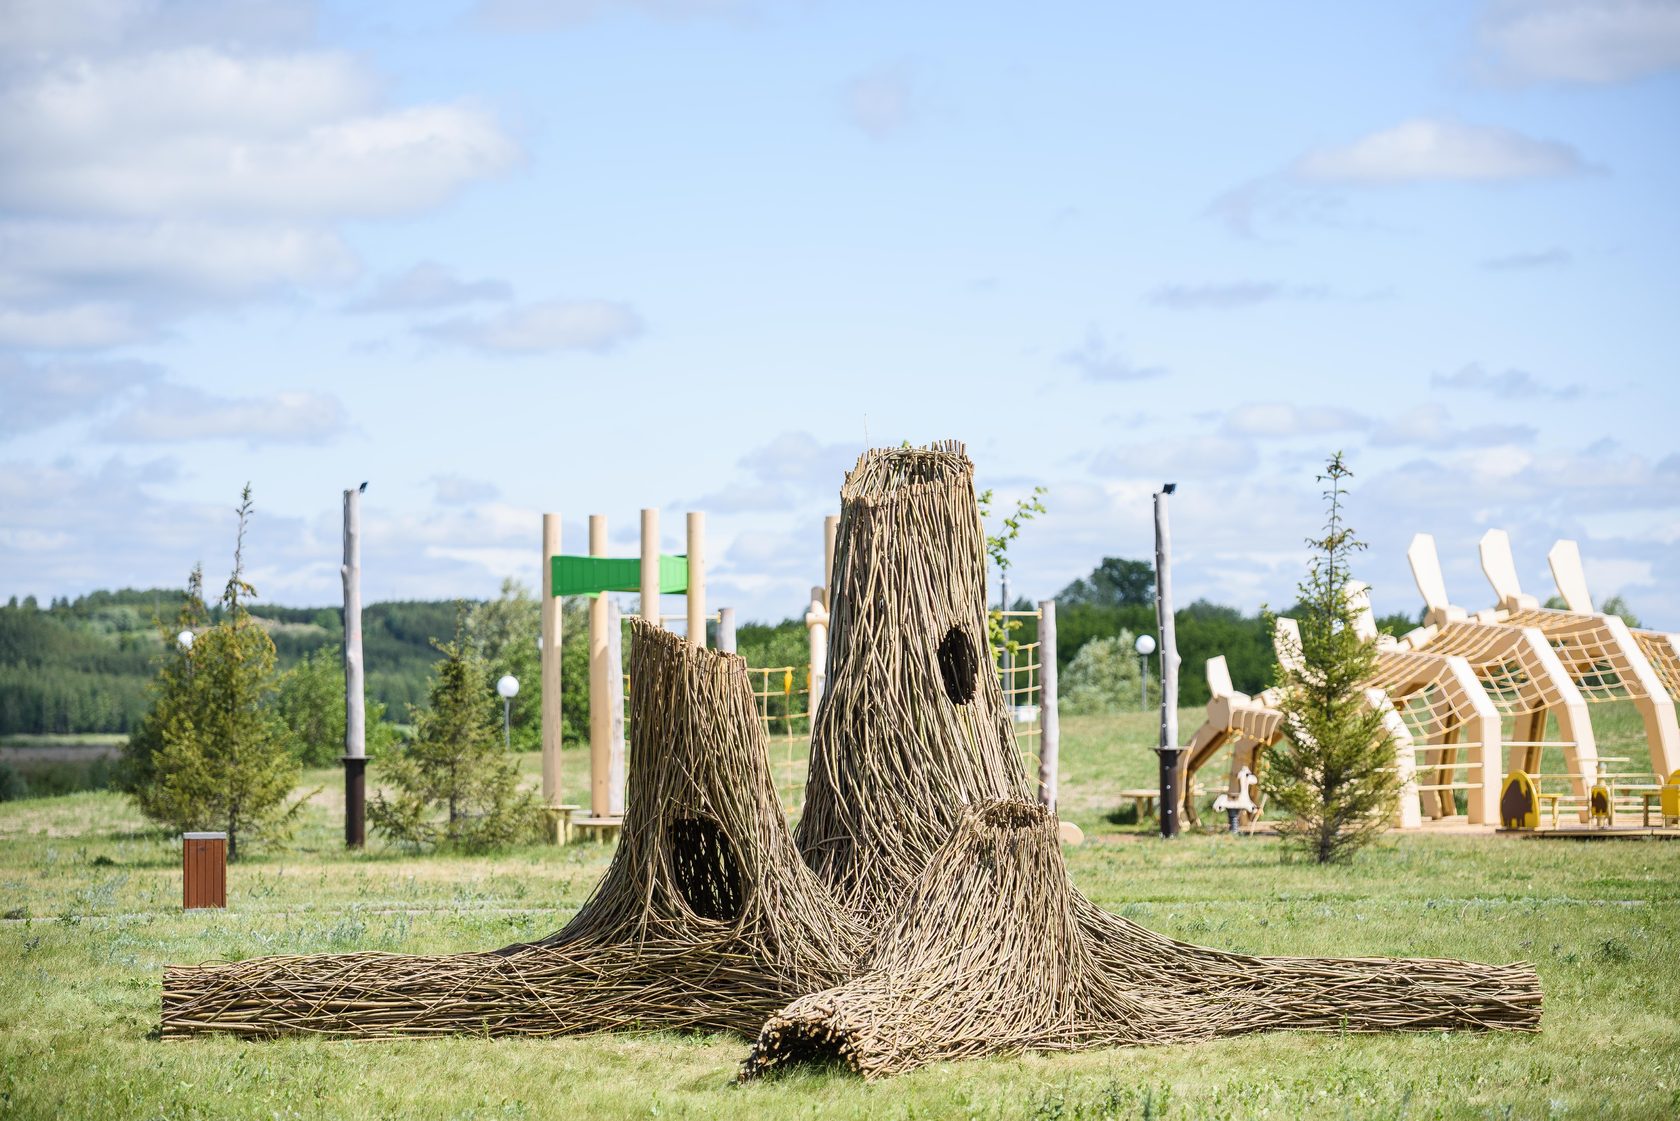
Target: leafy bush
{"x": 310, "y": 701}
{"x": 1103, "y": 677}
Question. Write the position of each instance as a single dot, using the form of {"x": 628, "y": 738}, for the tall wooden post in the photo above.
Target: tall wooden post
{"x": 650, "y": 566}
{"x": 726, "y": 630}
{"x": 831, "y": 529}
{"x": 551, "y": 639}
{"x": 1049, "y": 720}
{"x": 697, "y": 578}
{"x": 816, "y": 629}
{"x": 1171, "y": 795}
{"x": 615, "y": 710}
{"x": 355, "y": 693}
{"x": 600, "y": 686}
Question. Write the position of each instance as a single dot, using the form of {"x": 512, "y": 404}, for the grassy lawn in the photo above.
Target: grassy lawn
{"x": 92, "y": 901}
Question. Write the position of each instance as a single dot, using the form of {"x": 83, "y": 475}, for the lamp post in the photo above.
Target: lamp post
{"x": 508, "y": 687}
{"x": 1169, "y": 748}
{"x": 185, "y": 638}
{"x": 1144, "y": 646}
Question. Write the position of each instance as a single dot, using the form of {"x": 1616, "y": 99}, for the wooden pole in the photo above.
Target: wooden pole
{"x": 1049, "y": 721}
{"x": 1168, "y": 748}
{"x": 831, "y": 529}
{"x": 816, "y": 629}
{"x": 600, "y": 687}
{"x": 551, "y": 639}
{"x": 650, "y": 566}
{"x": 615, "y": 710}
{"x": 726, "y": 630}
{"x": 697, "y": 578}
{"x": 355, "y": 693}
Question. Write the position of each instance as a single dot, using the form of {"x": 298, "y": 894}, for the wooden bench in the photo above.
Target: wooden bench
{"x": 597, "y": 828}
{"x": 1145, "y": 800}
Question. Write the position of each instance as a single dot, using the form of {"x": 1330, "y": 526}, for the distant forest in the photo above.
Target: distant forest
{"x": 83, "y": 665}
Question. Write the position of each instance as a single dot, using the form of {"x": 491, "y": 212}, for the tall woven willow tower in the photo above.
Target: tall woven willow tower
{"x": 913, "y": 726}
{"x": 706, "y": 919}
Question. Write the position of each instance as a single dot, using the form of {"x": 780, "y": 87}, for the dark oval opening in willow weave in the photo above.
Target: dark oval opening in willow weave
{"x": 705, "y": 868}
{"x": 959, "y": 666}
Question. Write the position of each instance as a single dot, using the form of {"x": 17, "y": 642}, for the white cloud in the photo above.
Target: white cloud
{"x": 163, "y": 263}
{"x": 1431, "y": 426}
{"x": 32, "y": 28}
{"x": 792, "y": 471}
{"x": 37, "y": 395}
{"x": 429, "y": 285}
{"x": 593, "y": 325}
{"x": 1277, "y": 420}
{"x": 1424, "y": 149}
{"x": 1510, "y": 385}
{"x": 160, "y": 157}
{"x": 75, "y": 326}
{"x": 171, "y": 414}
{"x": 1196, "y": 455}
{"x": 1097, "y": 362}
{"x": 1584, "y": 41}
{"x": 881, "y": 102}
{"x": 800, "y": 458}
{"x": 198, "y": 131}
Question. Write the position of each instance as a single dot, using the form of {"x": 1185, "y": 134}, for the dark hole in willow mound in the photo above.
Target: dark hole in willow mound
{"x": 705, "y": 868}
{"x": 959, "y": 666}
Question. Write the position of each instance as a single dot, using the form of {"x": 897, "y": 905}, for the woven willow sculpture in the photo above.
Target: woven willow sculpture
{"x": 995, "y": 951}
{"x": 909, "y": 731}
{"x": 707, "y": 918}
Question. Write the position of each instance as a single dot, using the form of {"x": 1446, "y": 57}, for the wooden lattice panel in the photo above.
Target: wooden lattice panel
{"x": 1663, "y": 652}
{"x": 1511, "y": 670}
{"x": 1421, "y": 688}
{"x": 1596, "y": 660}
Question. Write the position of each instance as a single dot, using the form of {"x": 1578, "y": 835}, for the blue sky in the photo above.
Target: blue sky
{"x": 592, "y": 255}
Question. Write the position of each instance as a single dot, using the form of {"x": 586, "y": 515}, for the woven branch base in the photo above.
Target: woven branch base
{"x": 707, "y": 918}
{"x": 994, "y": 953}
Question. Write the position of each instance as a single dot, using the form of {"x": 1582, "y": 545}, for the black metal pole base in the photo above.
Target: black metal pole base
{"x": 355, "y": 801}
{"x": 1170, "y": 793}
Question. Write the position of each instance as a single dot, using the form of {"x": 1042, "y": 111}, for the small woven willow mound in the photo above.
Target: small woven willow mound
{"x": 985, "y": 956}
{"x": 993, "y": 952}
{"x": 707, "y": 918}
{"x": 913, "y": 726}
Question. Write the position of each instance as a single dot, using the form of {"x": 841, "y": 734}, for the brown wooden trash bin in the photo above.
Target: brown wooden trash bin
{"x": 203, "y": 870}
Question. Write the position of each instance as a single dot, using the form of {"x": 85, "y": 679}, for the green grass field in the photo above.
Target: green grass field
{"x": 91, "y": 900}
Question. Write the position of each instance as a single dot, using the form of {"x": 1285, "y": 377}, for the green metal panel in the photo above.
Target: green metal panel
{"x": 590, "y": 576}
{"x": 673, "y": 575}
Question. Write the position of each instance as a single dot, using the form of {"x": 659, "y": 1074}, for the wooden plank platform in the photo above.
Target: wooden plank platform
{"x": 597, "y": 828}
{"x": 1588, "y": 833}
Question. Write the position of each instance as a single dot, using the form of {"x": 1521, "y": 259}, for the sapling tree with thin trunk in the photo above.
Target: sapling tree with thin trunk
{"x": 217, "y": 753}
{"x": 454, "y": 784}
{"x": 999, "y": 630}
{"x": 1335, "y": 777}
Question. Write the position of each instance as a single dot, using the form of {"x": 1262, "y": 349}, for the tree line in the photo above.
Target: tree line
{"x": 83, "y": 665}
